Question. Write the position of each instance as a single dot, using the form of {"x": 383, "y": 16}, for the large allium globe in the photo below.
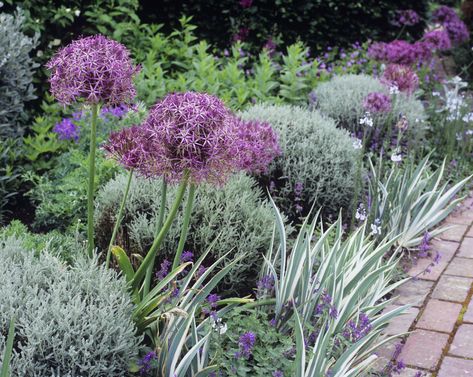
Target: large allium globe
{"x": 400, "y": 52}
{"x": 437, "y": 40}
{"x": 94, "y": 69}
{"x": 377, "y": 103}
{"x": 402, "y": 77}
{"x": 192, "y": 132}
{"x": 444, "y": 14}
{"x": 257, "y": 145}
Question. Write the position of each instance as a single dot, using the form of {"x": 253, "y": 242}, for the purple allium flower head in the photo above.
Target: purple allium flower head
{"x": 400, "y": 52}
{"x": 444, "y": 14}
{"x": 95, "y": 69}
{"x": 130, "y": 147}
{"x": 457, "y": 31}
{"x": 438, "y": 40}
{"x": 246, "y": 343}
{"x": 164, "y": 270}
{"x": 257, "y": 145}
{"x": 246, "y": 3}
{"x": 187, "y": 256}
{"x": 407, "y": 17}
{"x": 194, "y": 133}
{"x": 145, "y": 363}
{"x": 401, "y": 76}
{"x": 66, "y": 130}
{"x": 377, "y": 103}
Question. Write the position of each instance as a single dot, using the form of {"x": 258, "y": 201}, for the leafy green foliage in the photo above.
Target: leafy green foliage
{"x": 234, "y": 216}
{"x": 16, "y": 71}
{"x": 268, "y": 354}
{"x": 317, "y": 165}
{"x": 80, "y": 315}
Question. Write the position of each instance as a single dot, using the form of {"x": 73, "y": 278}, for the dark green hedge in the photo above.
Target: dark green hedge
{"x": 319, "y": 23}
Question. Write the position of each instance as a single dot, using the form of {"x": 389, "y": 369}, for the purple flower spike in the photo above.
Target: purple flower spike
{"x": 257, "y": 145}
{"x": 187, "y": 256}
{"x": 402, "y": 77}
{"x": 66, "y": 130}
{"x": 246, "y": 343}
{"x": 95, "y": 69}
{"x": 377, "y": 103}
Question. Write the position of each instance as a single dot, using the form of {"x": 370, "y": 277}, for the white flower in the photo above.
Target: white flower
{"x": 357, "y": 144}
{"x": 56, "y": 42}
{"x": 459, "y": 136}
{"x": 367, "y": 120}
{"x": 393, "y": 89}
{"x": 468, "y": 118}
{"x": 396, "y": 157}
{"x": 39, "y": 53}
{"x": 219, "y": 326}
{"x": 68, "y": 10}
{"x": 375, "y": 229}
{"x": 360, "y": 213}
{"x": 77, "y": 12}
{"x": 469, "y": 132}
{"x": 436, "y": 94}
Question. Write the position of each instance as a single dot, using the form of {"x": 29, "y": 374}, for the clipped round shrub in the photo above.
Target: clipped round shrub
{"x": 317, "y": 165}
{"x": 235, "y": 213}
{"x": 69, "y": 321}
{"x": 342, "y": 99}
{"x": 16, "y": 72}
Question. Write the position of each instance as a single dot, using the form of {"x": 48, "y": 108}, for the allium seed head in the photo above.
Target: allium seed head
{"x": 94, "y": 69}
{"x": 377, "y": 103}
{"x": 402, "y": 77}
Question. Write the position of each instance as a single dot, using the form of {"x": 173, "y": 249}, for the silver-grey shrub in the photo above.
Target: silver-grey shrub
{"x": 16, "y": 72}
{"x": 342, "y": 97}
{"x": 70, "y": 321}
{"x": 315, "y": 154}
{"x": 234, "y": 214}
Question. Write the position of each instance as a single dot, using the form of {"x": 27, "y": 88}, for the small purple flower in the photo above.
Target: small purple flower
{"x": 212, "y": 299}
{"x": 145, "y": 363}
{"x": 424, "y": 246}
{"x": 175, "y": 292}
{"x": 246, "y": 343}
{"x": 277, "y": 373}
{"x": 266, "y": 283}
{"x": 270, "y": 46}
{"x": 246, "y": 3}
{"x": 164, "y": 270}
{"x": 95, "y": 69}
{"x": 377, "y": 103}
{"x": 200, "y": 271}
{"x": 407, "y": 17}
{"x": 357, "y": 329}
{"x": 116, "y": 111}
{"x": 66, "y": 130}
{"x": 242, "y": 34}
{"x": 187, "y": 256}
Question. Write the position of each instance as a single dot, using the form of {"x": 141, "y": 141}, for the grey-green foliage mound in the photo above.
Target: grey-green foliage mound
{"x": 317, "y": 159}
{"x": 70, "y": 321}
{"x": 342, "y": 97}
{"x": 235, "y": 213}
{"x": 16, "y": 72}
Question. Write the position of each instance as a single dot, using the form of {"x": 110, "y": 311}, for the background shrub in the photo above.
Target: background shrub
{"x": 317, "y": 163}
{"x": 235, "y": 213}
{"x": 318, "y": 23}
{"x": 70, "y": 321}
{"x": 342, "y": 97}
{"x": 16, "y": 72}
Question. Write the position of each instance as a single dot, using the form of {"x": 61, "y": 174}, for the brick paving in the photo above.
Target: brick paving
{"x": 440, "y": 321}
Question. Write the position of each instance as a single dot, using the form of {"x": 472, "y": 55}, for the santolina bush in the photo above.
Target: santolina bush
{"x": 70, "y": 321}
{"x": 234, "y": 214}
{"x": 316, "y": 163}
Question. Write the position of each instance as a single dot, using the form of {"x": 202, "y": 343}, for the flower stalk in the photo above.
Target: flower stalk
{"x": 91, "y": 187}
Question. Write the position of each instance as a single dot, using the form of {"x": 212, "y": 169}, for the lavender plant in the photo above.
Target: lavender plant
{"x": 95, "y": 71}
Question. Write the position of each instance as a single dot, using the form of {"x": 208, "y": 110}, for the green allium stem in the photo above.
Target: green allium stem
{"x": 185, "y": 226}
{"x": 159, "y": 225}
{"x": 119, "y": 218}
{"x": 162, "y": 233}
{"x": 91, "y": 187}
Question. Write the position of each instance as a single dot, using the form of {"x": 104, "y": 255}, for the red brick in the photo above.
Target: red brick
{"x": 468, "y": 316}
{"x": 460, "y": 267}
{"x": 455, "y": 233}
{"x": 454, "y": 367}
{"x": 462, "y": 344}
{"x": 439, "y": 316}
{"x": 452, "y": 288}
{"x": 413, "y": 292}
{"x": 401, "y": 323}
{"x": 466, "y": 248}
{"x": 423, "y": 349}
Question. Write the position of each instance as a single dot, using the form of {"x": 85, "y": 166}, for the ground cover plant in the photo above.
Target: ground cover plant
{"x": 234, "y": 205}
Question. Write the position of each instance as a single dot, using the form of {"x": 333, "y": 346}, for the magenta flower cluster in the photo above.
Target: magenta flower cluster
{"x": 194, "y": 133}
{"x": 438, "y": 40}
{"x": 454, "y": 26}
{"x": 402, "y": 77}
{"x": 94, "y": 69}
{"x": 257, "y": 145}
{"x": 400, "y": 52}
{"x": 377, "y": 103}
{"x": 66, "y": 130}
{"x": 406, "y": 17}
